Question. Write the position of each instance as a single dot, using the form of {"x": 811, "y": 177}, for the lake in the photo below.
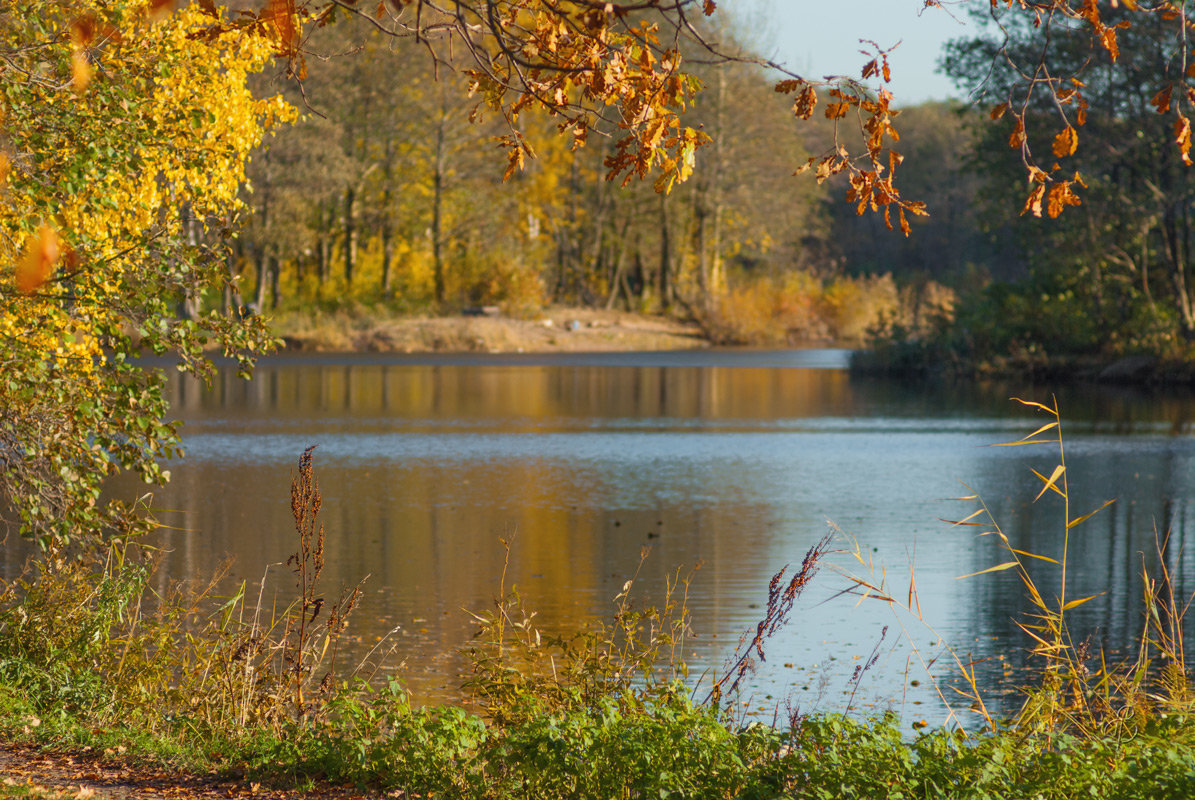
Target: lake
{"x": 734, "y": 461}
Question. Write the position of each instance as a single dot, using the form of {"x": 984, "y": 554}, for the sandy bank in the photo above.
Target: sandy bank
{"x": 557, "y": 330}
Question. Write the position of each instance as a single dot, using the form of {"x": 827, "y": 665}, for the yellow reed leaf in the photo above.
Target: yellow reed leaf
{"x": 1089, "y": 515}
{"x": 1033, "y": 404}
{"x": 1042, "y": 429}
{"x": 997, "y": 568}
{"x": 967, "y": 520}
{"x": 1080, "y": 602}
{"x": 1024, "y": 442}
{"x": 1051, "y": 482}
{"x": 1027, "y": 554}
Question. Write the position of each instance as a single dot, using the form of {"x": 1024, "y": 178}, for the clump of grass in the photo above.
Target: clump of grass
{"x": 88, "y": 635}
{"x": 515, "y": 665}
{"x": 1078, "y": 689}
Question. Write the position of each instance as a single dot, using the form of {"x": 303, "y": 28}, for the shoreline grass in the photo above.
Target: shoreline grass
{"x": 91, "y": 658}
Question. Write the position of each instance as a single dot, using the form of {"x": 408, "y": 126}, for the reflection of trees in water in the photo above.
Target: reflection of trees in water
{"x": 429, "y": 537}
{"x": 534, "y": 393}
{"x": 428, "y": 529}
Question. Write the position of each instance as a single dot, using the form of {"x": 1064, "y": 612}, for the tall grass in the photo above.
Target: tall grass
{"x": 1078, "y": 689}
{"x": 88, "y": 652}
{"x": 1074, "y": 688}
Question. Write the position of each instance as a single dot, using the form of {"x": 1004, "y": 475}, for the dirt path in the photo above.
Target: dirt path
{"x": 79, "y": 776}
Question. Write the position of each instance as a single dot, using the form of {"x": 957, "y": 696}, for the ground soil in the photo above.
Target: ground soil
{"x": 112, "y": 775}
{"x": 556, "y": 329}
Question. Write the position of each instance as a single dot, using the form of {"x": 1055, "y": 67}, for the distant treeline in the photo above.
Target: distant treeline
{"x": 387, "y": 192}
{"x": 390, "y": 192}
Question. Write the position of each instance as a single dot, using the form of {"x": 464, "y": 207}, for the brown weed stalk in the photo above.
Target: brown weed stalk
{"x": 306, "y": 637}
{"x": 781, "y": 597}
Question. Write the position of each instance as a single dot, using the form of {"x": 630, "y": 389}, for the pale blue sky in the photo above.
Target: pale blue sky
{"x": 821, "y": 37}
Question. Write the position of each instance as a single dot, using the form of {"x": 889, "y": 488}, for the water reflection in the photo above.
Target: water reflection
{"x": 427, "y": 464}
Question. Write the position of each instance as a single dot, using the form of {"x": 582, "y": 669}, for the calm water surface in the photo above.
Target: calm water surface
{"x": 737, "y": 462}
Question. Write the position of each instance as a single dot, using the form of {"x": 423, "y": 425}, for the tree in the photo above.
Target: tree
{"x": 124, "y": 140}
{"x": 1122, "y": 255}
{"x": 609, "y": 69}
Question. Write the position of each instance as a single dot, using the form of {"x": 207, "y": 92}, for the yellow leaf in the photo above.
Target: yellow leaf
{"x": 1033, "y": 555}
{"x": 1042, "y": 429}
{"x": 80, "y": 70}
{"x": 1066, "y": 142}
{"x": 1074, "y": 603}
{"x": 1089, "y": 515}
{"x": 1017, "y": 137}
{"x": 158, "y": 10}
{"x": 1050, "y": 483}
{"x": 1161, "y": 100}
{"x": 1182, "y": 136}
{"x": 41, "y": 251}
{"x": 1033, "y": 202}
{"x": 1033, "y": 404}
{"x": 967, "y": 519}
{"x": 997, "y": 568}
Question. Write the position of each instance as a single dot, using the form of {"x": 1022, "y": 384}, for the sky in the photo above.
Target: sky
{"x": 821, "y": 37}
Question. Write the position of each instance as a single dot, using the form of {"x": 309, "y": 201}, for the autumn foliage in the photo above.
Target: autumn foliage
{"x": 124, "y": 138}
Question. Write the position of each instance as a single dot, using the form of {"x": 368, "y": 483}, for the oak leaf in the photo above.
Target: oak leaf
{"x": 1161, "y": 100}
{"x": 1066, "y": 142}
{"x": 1182, "y": 136}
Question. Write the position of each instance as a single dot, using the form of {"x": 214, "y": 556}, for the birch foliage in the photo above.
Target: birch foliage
{"x": 123, "y": 139}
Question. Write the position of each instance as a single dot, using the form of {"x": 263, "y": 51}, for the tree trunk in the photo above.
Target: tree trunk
{"x": 275, "y": 267}
{"x": 664, "y": 284}
{"x": 350, "y": 235}
{"x": 387, "y": 218}
{"x": 260, "y": 262}
{"x": 1177, "y": 254}
{"x": 438, "y": 205}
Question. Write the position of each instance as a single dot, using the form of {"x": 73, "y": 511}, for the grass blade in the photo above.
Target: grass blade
{"x": 997, "y": 568}
{"x": 1033, "y": 555}
{"x": 1074, "y": 603}
{"x": 967, "y": 520}
{"x": 1042, "y": 429}
{"x": 1051, "y": 482}
{"x": 1032, "y": 404}
{"x": 1088, "y": 515}
{"x": 1024, "y": 442}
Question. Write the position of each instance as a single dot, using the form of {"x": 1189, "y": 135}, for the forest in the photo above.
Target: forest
{"x": 175, "y": 176}
{"x": 385, "y": 197}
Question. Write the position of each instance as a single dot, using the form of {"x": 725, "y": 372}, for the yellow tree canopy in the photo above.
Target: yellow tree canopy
{"x": 122, "y": 149}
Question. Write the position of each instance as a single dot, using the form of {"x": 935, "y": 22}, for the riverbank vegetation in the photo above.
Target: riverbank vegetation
{"x": 97, "y": 653}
